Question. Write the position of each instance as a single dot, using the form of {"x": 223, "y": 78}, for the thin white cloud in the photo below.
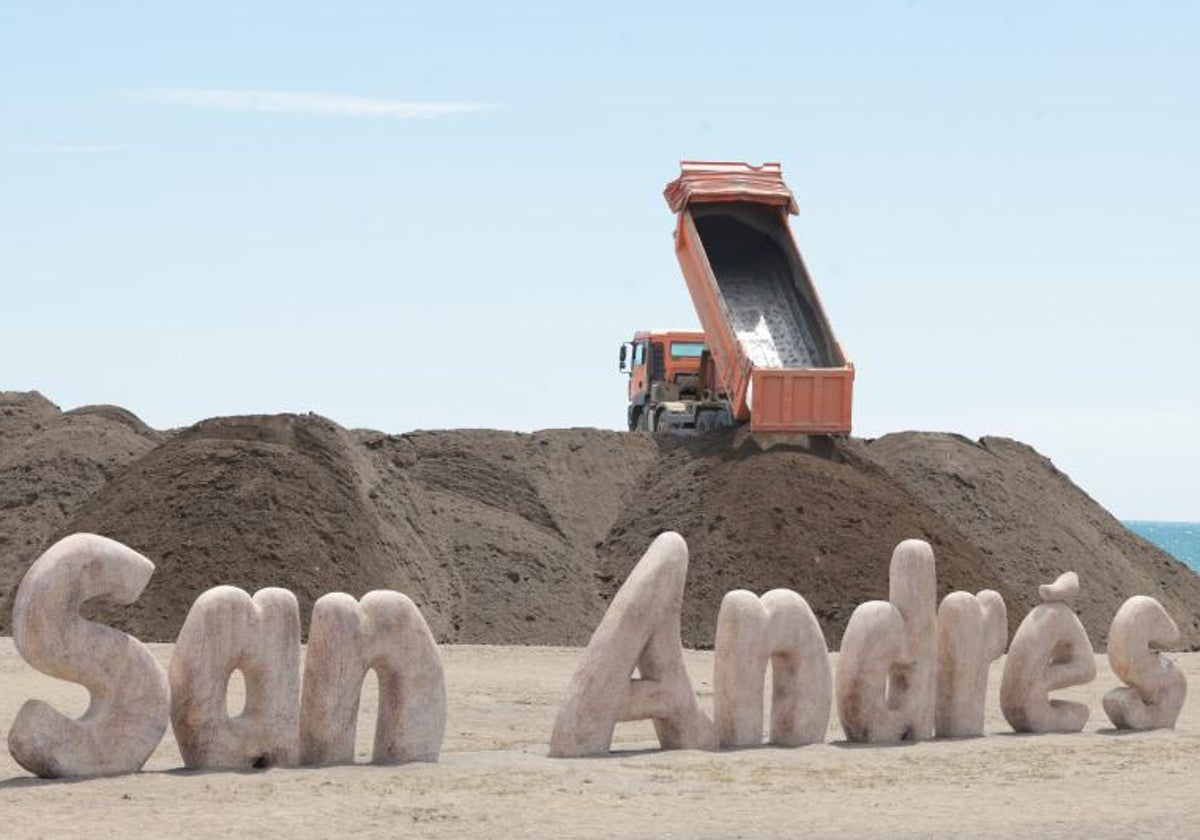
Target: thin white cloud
{"x": 84, "y": 148}
{"x": 297, "y": 102}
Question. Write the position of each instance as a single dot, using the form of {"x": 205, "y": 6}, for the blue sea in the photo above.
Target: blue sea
{"x": 1182, "y": 539}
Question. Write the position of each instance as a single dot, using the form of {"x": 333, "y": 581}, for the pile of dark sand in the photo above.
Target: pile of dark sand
{"x": 1032, "y": 523}
{"x": 817, "y": 522}
{"x": 51, "y": 463}
{"x": 491, "y": 533}
{"x": 522, "y": 538}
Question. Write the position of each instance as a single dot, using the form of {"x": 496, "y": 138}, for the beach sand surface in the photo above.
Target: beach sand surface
{"x": 495, "y": 779}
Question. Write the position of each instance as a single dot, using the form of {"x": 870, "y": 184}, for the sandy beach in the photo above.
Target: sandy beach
{"x": 494, "y": 778}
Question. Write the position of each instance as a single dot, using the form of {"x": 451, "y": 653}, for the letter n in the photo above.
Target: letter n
{"x": 385, "y": 632}
{"x": 779, "y": 628}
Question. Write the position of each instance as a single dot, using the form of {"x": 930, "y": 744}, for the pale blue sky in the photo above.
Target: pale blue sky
{"x": 435, "y": 215}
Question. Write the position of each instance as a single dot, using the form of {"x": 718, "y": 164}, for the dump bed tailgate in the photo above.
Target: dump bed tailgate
{"x": 816, "y": 401}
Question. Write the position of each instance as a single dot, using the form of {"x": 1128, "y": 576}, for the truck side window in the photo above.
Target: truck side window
{"x": 639, "y": 353}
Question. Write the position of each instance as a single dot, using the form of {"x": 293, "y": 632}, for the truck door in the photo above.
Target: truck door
{"x": 639, "y": 383}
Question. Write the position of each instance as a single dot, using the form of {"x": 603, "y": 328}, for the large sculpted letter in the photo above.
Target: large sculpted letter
{"x": 780, "y": 628}
{"x": 1050, "y": 651}
{"x": 385, "y": 632}
{"x": 639, "y": 630}
{"x": 886, "y": 668}
{"x": 127, "y": 714}
{"x": 1155, "y": 687}
{"x": 227, "y": 630}
{"x": 972, "y": 631}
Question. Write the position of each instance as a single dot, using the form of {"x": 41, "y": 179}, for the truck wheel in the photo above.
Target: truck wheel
{"x": 635, "y": 418}
{"x": 713, "y": 419}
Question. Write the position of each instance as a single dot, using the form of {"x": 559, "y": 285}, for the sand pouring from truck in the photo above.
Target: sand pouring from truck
{"x": 768, "y": 355}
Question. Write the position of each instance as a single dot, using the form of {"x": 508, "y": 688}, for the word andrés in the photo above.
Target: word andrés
{"x": 906, "y": 670}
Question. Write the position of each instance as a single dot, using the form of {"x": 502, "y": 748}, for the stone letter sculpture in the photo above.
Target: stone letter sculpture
{"x": 639, "y": 630}
{"x": 779, "y": 628}
{"x": 886, "y": 668}
{"x": 1050, "y": 651}
{"x": 1155, "y": 687}
{"x": 127, "y": 714}
{"x": 227, "y": 630}
{"x": 385, "y": 632}
{"x": 972, "y": 631}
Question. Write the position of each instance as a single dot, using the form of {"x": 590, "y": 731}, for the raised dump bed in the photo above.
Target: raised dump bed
{"x": 776, "y": 359}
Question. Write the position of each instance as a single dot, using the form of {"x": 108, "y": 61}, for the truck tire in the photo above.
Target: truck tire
{"x": 713, "y": 419}
{"x": 645, "y": 422}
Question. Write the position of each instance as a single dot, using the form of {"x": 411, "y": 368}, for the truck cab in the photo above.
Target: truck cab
{"x": 665, "y": 369}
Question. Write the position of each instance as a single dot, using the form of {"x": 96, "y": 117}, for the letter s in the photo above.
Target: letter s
{"x": 129, "y": 696}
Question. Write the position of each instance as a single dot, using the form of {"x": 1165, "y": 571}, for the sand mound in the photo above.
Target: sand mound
{"x": 490, "y": 532}
{"x": 512, "y": 520}
{"x": 252, "y": 502}
{"x": 817, "y": 523}
{"x": 51, "y": 463}
{"x": 522, "y": 538}
{"x": 1033, "y": 523}
{"x": 22, "y": 415}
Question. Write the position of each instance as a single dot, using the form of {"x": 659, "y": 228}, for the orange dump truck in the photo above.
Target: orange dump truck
{"x": 772, "y": 357}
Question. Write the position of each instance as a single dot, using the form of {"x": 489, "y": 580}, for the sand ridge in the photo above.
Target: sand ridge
{"x": 508, "y": 538}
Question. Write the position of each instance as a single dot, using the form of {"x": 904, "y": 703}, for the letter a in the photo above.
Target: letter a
{"x": 639, "y": 630}
{"x": 227, "y": 630}
{"x": 128, "y": 712}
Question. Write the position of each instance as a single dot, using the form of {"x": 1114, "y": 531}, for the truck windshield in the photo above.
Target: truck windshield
{"x": 686, "y": 349}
